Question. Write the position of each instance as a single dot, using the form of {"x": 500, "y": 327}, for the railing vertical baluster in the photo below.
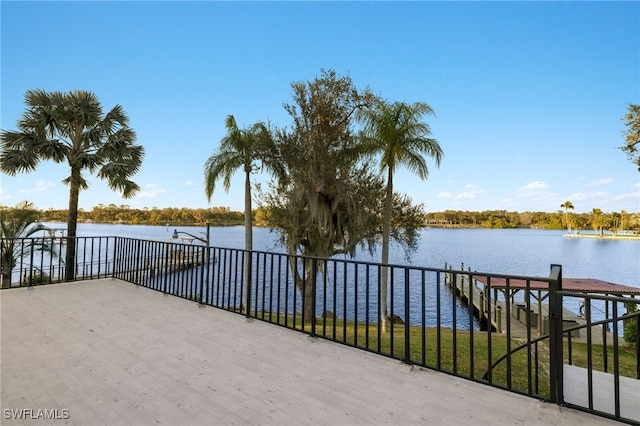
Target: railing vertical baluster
{"x": 324, "y": 298}
{"x": 407, "y": 321}
{"x": 587, "y": 310}
{"x": 380, "y": 319}
{"x": 454, "y": 326}
{"x": 423, "y": 313}
{"x": 257, "y": 287}
{"x": 555, "y": 335}
{"x": 507, "y": 304}
{"x": 237, "y": 288}
{"x": 99, "y": 255}
{"x": 438, "y": 324}
{"x": 335, "y": 299}
{"x": 167, "y": 262}
{"x": 303, "y": 293}
{"x": 294, "y": 275}
{"x": 355, "y": 304}
{"x": 286, "y": 293}
{"x": 106, "y": 251}
{"x": 42, "y": 266}
{"x": 616, "y": 359}
{"x": 314, "y": 276}
{"x": 472, "y": 287}
{"x": 391, "y": 310}
{"x": 203, "y": 251}
{"x": 367, "y": 303}
{"x": 247, "y": 261}
{"x": 489, "y": 329}
{"x": 527, "y": 293}
{"x": 264, "y": 284}
{"x": 344, "y": 302}
{"x": 605, "y": 328}
{"x": 279, "y": 292}
{"x": 271, "y": 287}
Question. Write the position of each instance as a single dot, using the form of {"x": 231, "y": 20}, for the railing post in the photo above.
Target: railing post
{"x": 247, "y": 276}
{"x": 203, "y": 250}
{"x": 407, "y": 323}
{"x": 637, "y": 319}
{"x": 314, "y": 274}
{"x": 555, "y": 336}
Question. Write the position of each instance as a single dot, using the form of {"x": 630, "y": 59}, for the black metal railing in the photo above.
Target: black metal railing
{"x": 603, "y": 356}
{"x": 455, "y": 321}
{"x": 41, "y": 260}
{"x": 430, "y": 325}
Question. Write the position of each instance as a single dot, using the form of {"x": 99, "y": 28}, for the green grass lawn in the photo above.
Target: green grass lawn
{"x": 450, "y": 351}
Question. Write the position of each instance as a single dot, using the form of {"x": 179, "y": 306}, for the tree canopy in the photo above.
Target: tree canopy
{"x": 19, "y": 222}
{"x": 632, "y": 134}
{"x": 72, "y": 127}
{"x": 395, "y": 131}
{"x": 331, "y": 199}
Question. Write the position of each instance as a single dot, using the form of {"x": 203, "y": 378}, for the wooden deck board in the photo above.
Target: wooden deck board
{"x": 111, "y": 352}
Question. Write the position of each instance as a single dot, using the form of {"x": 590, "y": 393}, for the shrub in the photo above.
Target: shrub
{"x": 630, "y": 328}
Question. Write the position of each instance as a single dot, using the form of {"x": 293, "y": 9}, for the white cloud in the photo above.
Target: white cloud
{"x": 4, "y": 196}
{"x": 189, "y": 183}
{"x": 151, "y": 192}
{"x": 533, "y": 186}
{"x": 582, "y": 196}
{"x": 628, "y": 196}
{"x": 578, "y": 197}
{"x": 444, "y": 195}
{"x": 42, "y": 185}
{"x": 465, "y": 195}
{"x": 599, "y": 182}
{"x": 636, "y": 185}
{"x": 472, "y": 192}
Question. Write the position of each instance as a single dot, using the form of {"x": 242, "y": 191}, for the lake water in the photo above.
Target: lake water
{"x": 501, "y": 251}
{"x": 527, "y": 252}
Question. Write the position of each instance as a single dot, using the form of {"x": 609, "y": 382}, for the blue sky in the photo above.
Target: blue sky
{"x": 528, "y": 96}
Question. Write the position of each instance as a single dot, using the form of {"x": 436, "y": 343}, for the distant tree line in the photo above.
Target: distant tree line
{"x": 596, "y": 220}
{"x": 216, "y": 216}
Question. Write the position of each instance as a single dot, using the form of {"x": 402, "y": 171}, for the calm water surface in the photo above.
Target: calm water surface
{"x": 502, "y": 251}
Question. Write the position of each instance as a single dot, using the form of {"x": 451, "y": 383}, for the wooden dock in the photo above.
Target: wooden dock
{"x": 522, "y": 322}
{"x": 158, "y": 265}
{"x": 488, "y": 314}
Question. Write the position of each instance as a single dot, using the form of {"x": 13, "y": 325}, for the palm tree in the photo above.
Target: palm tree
{"x": 71, "y": 127}
{"x": 598, "y": 221}
{"x": 20, "y": 222}
{"x": 242, "y": 149}
{"x": 566, "y": 206}
{"x": 395, "y": 132}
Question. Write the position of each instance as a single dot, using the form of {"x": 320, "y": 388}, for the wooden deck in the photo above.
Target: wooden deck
{"x": 112, "y": 353}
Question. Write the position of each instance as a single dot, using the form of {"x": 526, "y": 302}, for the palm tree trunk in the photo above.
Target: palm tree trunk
{"x": 248, "y": 238}
{"x": 386, "y": 232}
{"x": 72, "y": 224}
{"x": 8, "y": 263}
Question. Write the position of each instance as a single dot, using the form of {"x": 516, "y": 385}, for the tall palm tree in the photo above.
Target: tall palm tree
{"x": 242, "y": 149}
{"x": 598, "y": 221}
{"x": 71, "y": 127}
{"x": 566, "y": 206}
{"x": 20, "y": 222}
{"x": 396, "y": 133}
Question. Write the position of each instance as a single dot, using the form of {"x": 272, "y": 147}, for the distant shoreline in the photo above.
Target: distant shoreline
{"x": 605, "y": 237}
